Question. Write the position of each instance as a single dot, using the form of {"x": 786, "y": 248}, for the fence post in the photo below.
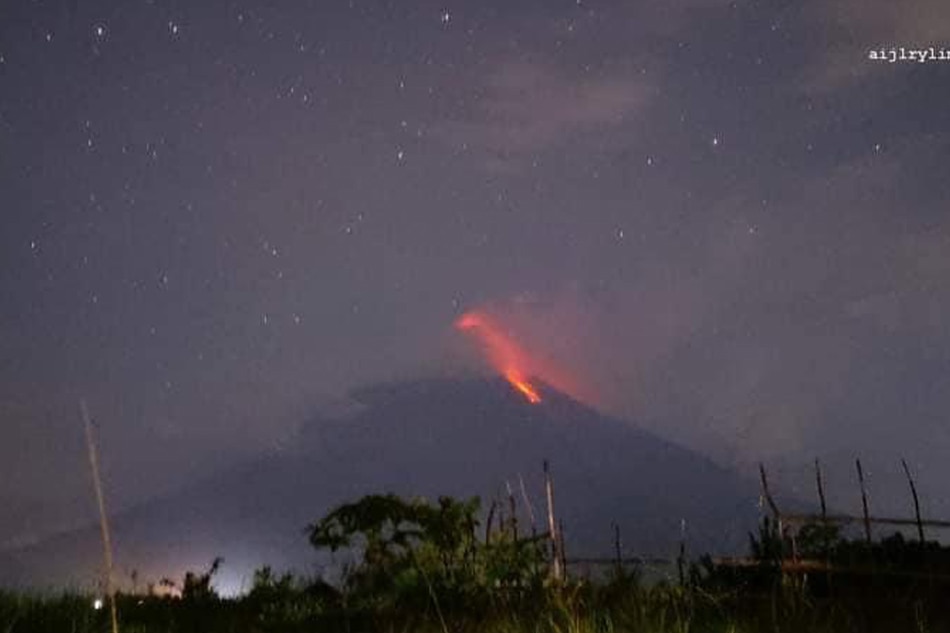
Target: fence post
{"x": 560, "y": 547}
{"x": 488, "y": 522}
{"x": 769, "y": 499}
{"x": 513, "y": 508}
{"x": 864, "y": 501}
{"x": 821, "y": 491}
{"x": 913, "y": 492}
{"x": 556, "y": 570}
{"x": 617, "y": 550}
{"x": 681, "y": 555}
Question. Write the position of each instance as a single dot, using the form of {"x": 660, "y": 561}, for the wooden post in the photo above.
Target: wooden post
{"x": 681, "y": 555}
{"x": 780, "y": 528}
{"x": 824, "y": 510}
{"x": 560, "y": 547}
{"x": 473, "y": 545}
{"x": 913, "y": 492}
{"x": 491, "y": 517}
{"x": 512, "y": 507}
{"x": 769, "y": 499}
{"x": 103, "y": 517}
{"x": 618, "y": 551}
{"x": 500, "y": 505}
{"x": 821, "y": 491}
{"x": 765, "y": 490}
{"x": 864, "y": 501}
{"x": 556, "y": 570}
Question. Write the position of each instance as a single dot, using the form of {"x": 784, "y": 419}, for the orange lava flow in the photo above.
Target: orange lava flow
{"x": 503, "y": 353}
{"x": 524, "y": 387}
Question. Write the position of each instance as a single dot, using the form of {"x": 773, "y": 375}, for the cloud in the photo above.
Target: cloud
{"x": 528, "y": 107}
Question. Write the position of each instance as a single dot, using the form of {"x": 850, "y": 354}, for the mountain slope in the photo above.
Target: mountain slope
{"x": 427, "y": 437}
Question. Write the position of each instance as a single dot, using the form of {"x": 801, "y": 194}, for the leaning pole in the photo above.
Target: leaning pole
{"x": 103, "y": 518}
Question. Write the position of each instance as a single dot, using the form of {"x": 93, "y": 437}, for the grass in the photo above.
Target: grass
{"x": 621, "y": 605}
{"x": 424, "y": 569}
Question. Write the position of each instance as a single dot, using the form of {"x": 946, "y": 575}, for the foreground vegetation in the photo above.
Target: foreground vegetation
{"x": 423, "y": 567}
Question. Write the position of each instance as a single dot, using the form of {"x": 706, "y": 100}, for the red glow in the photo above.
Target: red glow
{"x": 503, "y": 353}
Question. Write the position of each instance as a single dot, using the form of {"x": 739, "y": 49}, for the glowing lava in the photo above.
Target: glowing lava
{"x": 524, "y": 387}
{"x": 503, "y": 353}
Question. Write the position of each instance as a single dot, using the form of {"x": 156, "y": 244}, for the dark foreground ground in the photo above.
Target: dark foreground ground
{"x": 767, "y": 603}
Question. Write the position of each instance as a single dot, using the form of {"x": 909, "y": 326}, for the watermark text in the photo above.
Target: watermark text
{"x": 895, "y": 54}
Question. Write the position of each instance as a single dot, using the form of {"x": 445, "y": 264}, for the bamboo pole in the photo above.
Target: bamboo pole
{"x": 627, "y": 560}
{"x": 103, "y": 518}
{"x": 913, "y": 492}
{"x": 527, "y": 503}
{"x": 811, "y": 566}
{"x": 864, "y": 501}
{"x": 556, "y": 570}
{"x": 847, "y": 519}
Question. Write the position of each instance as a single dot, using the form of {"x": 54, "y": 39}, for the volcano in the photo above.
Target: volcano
{"x": 458, "y": 437}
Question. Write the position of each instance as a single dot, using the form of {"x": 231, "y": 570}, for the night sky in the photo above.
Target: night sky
{"x": 723, "y": 219}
